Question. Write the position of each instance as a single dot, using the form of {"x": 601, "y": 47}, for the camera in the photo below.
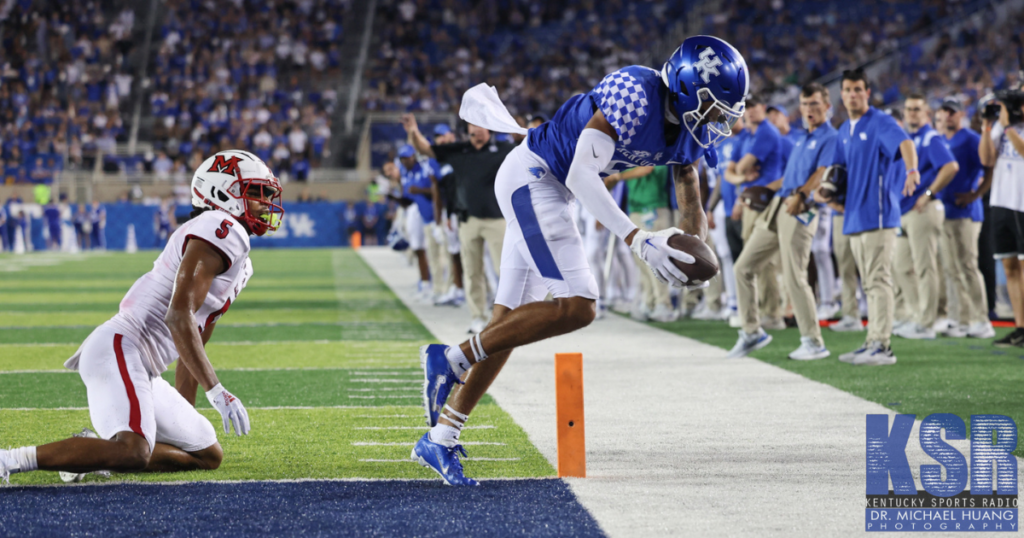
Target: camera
{"x": 1013, "y": 99}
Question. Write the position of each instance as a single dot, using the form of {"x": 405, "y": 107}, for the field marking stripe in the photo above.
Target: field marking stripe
{"x": 467, "y": 443}
{"x": 414, "y": 461}
{"x": 479, "y": 427}
{"x": 385, "y": 389}
{"x": 246, "y": 325}
{"x": 271, "y": 408}
{"x": 357, "y": 380}
{"x": 388, "y": 416}
{"x": 233, "y": 343}
{"x": 384, "y": 396}
{"x": 374, "y": 380}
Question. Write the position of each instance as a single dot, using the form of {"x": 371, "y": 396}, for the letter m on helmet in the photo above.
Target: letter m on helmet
{"x": 225, "y": 165}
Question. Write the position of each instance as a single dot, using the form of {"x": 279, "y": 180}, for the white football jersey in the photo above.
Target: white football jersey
{"x": 142, "y": 310}
{"x": 1007, "y": 187}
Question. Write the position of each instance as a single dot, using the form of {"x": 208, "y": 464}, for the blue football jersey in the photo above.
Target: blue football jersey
{"x": 634, "y": 100}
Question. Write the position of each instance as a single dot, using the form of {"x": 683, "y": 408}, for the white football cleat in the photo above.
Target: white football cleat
{"x": 8, "y": 465}
{"x": 71, "y": 478}
{"x": 477, "y": 325}
{"x": 914, "y": 331}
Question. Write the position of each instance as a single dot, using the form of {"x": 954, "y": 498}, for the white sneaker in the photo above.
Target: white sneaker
{"x": 875, "y": 355}
{"x": 827, "y": 311}
{"x": 664, "y": 314}
{"x": 914, "y": 331}
{"x": 849, "y": 356}
{"x": 477, "y": 325}
{"x": 708, "y": 314}
{"x": 424, "y": 293}
{"x": 622, "y": 307}
{"x": 772, "y": 324}
{"x": 898, "y": 324}
{"x": 942, "y": 324}
{"x": 982, "y": 329}
{"x": 809, "y": 350}
{"x": 735, "y": 322}
{"x": 749, "y": 342}
{"x": 847, "y": 325}
{"x": 956, "y": 330}
{"x": 639, "y": 312}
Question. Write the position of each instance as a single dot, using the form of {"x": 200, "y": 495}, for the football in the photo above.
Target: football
{"x": 833, "y": 183}
{"x": 758, "y": 198}
{"x": 705, "y": 265}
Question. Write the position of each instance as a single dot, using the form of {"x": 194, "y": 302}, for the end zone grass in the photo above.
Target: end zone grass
{"x": 322, "y": 353}
{"x": 963, "y": 376}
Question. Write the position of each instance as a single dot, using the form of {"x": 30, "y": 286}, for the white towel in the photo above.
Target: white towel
{"x": 482, "y": 106}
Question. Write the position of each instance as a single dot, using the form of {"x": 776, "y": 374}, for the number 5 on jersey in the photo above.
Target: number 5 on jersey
{"x": 222, "y": 232}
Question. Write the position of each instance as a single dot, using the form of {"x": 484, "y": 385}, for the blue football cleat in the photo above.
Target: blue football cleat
{"x": 438, "y": 380}
{"x": 443, "y": 460}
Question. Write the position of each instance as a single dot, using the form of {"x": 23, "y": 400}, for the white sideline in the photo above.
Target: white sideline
{"x": 680, "y": 440}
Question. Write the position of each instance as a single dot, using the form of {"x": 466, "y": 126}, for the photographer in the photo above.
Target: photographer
{"x": 1001, "y": 147}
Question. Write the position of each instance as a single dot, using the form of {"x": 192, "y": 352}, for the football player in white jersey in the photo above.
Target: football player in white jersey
{"x": 142, "y": 422}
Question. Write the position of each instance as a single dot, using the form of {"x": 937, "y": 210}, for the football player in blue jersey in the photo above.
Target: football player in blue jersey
{"x": 636, "y": 116}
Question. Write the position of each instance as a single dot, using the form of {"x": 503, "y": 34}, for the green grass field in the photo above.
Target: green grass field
{"x": 963, "y": 376}
{"x": 321, "y": 352}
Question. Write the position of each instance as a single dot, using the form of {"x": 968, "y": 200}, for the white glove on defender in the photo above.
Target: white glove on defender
{"x": 653, "y": 249}
{"x": 230, "y": 409}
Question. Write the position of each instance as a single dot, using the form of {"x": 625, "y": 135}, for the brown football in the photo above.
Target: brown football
{"x": 705, "y": 264}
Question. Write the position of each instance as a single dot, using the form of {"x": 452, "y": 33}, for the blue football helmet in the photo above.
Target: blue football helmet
{"x": 705, "y": 69}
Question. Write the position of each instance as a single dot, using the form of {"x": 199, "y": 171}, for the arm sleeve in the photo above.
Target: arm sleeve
{"x": 222, "y": 232}
{"x": 828, "y": 149}
{"x": 890, "y": 136}
{"x": 937, "y": 152}
{"x": 593, "y": 153}
{"x": 764, "y": 144}
{"x": 838, "y": 153}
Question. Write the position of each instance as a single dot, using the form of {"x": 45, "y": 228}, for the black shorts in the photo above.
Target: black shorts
{"x": 1007, "y": 232}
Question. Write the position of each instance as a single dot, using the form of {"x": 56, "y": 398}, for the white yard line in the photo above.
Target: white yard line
{"x": 384, "y": 396}
{"x": 680, "y": 440}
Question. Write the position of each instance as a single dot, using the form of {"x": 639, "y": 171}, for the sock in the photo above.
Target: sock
{"x": 457, "y": 360}
{"x": 25, "y": 458}
{"x": 444, "y": 434}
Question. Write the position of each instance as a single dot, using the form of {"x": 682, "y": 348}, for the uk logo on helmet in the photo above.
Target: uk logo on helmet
{"x": 708, "y": 64}
{"x": 225, "y": 165}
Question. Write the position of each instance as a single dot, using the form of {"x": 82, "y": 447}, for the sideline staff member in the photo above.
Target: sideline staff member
{"x": 869, "y": 142}
{"x": 789, "y": 221}
{"x": 475, "y": 164}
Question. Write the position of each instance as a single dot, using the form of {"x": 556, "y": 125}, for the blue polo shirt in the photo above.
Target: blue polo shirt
{"x": 729, "y": 149}
{"x": 811, "y": 151}
{"x": 964, "y": 147}
{"x": 419, "y": 176}
{"x": 787, "y": 150}
{"x": 872, "y": 199}
{"x": 766, "y": 145}
{"x": 932, "y": 155}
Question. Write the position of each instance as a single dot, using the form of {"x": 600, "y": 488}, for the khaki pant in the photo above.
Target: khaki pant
{"x": 873, "y": 251}
{"x": 962, "y": 239}
{"x": 769, "y": 298}
{"x": 716, "y": 287}
{"x": 653, "y": 292}
{"x": 437, "y": 258}
{"x": 916, "y": 262}
{"x": 847, "y": 268}
{"x": 778, "y": 228}
{"x": 472, "y": 235}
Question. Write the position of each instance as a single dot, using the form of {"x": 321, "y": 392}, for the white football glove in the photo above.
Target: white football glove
{"x": 230, "y": 409}
{"x": 437, "y": 231}
{"x": 653, "y": 249}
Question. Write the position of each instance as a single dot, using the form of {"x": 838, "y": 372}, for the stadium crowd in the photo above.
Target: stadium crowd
{"x": 64, "y": 81}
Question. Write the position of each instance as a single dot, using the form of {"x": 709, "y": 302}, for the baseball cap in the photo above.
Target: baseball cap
{"x": 441, "y": 129}
{"x": 951, "y": 104}
{"x": 780, "y": 108}
{"x": 406, "y": 151}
